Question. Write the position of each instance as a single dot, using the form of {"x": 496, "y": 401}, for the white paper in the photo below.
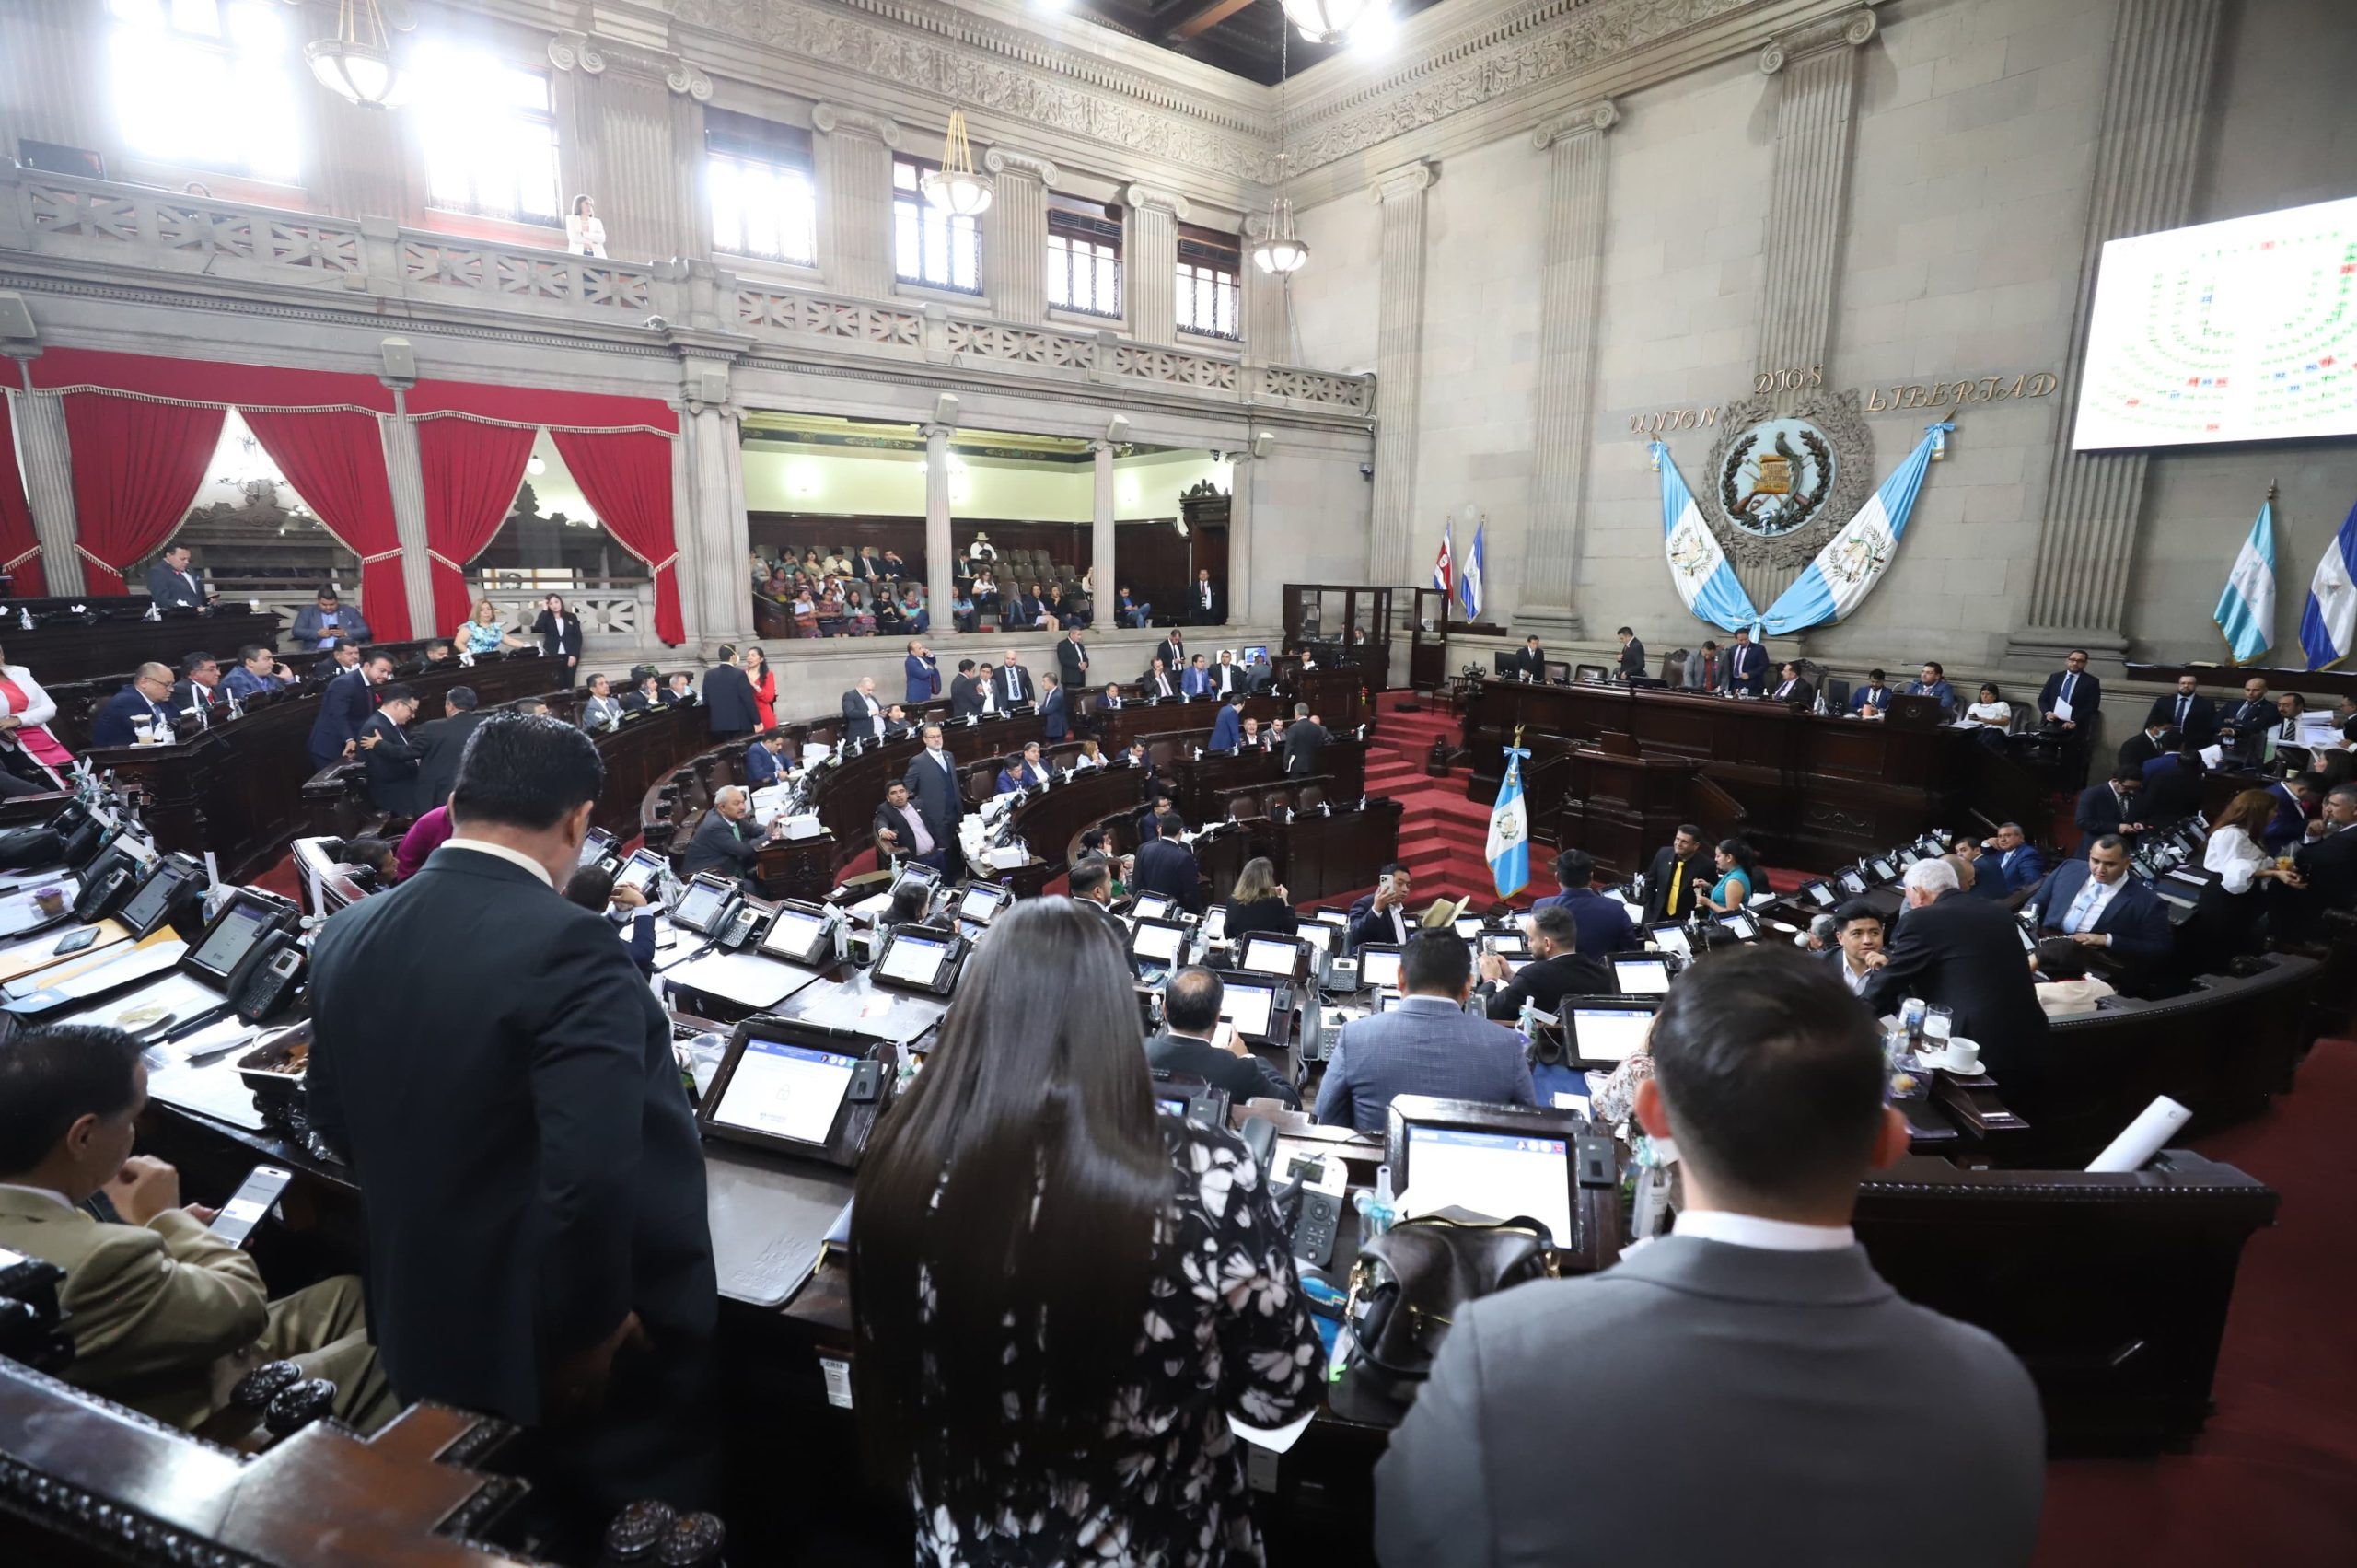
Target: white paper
{"x": 1276, "y": 1439}
{"x": 2061, "y": 711}
{"x": 838, "y": 1376}
{"x": 2143, "y": 1137}
{"x": 1565, "y": 1100}
{"x": 2213, "y": 756}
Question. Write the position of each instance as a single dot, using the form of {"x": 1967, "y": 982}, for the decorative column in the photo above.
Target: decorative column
{"x": 1150, "y": 263}
{"x": 1242, "y": 468}
{"x": 48, "y": 466}
{"x": 1267, "y": 308}
{"x": 624, "y": 154}
{"x": 406, "y": 473}
{"x": 855, "y": 199}
{"x": 1015, "y": 252}
{"x": 1101, "y": 568}
{"x": 713, "y": 532}
{"x": 358, "y": 169}
{"x": 1399, "y": 366}
{"x": 1569, "y": 292}
{"x": 2156, "y": 105}
{"x": 1810, "y": 178}
{"x": 940, "y": 566}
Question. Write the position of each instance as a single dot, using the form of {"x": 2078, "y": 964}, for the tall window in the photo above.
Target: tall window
{"x": 1210, "y": 294}
{"x": 930, "y": 246}
{"x": 207, "y": 83}
{"x": 1083, "y": 257}
{"x": 490, "y": 133}
{"x": 763, "y": 202}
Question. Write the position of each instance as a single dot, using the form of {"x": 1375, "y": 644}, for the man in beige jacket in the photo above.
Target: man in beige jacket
{"x": 165, "y": 1317}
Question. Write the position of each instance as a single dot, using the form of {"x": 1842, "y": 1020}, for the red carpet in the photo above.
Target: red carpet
{"x": 1442, "y": 834}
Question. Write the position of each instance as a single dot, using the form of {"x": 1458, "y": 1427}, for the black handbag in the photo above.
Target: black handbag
{"x": 1409, "y": 1283}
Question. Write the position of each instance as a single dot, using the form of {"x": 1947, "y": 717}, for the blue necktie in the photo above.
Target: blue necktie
{"x": 2076, "y": 921}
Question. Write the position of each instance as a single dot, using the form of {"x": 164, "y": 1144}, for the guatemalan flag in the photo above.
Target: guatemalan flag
{"x": 1509, "y": 849}
{"x": 1853, "y": 561}
{"x": 2246, "y": 613}
{"x": 2328, "y": 629}
{"x": 1697, "y": 564}
{"x": 1468, "y": 581}
{"x": 1442, "y": 563}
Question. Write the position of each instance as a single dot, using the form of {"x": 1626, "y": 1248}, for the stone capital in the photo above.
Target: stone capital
{"x": 688, "y": 81}
{"x": 1409, "y": 180}
{"x": 1847, "y": 29}
{"x": 832, "y": 120}
{"x": 1588, "y": 119}
{"x": 568, "y": 51}
{"x": 1030, "y": 166}
{"x": 1152, "y": 196}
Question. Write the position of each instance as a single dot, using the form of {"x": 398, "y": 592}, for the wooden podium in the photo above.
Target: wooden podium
{"x": 1621, "y": 807}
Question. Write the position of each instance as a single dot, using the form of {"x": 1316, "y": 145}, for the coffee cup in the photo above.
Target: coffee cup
{"x": 50, "y": 899}
{"x": 1962, "y": 1055}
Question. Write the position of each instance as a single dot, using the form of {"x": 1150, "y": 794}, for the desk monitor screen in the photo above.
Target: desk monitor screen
{"x": 1669, "y": 935}
{"x": 702, "y": 904}
{"x": 154, "y": 901}
{"x": 1157, "y": 941}
{"x": 1741, "y": 922}
{"x": 1640, "y": 974}
{"x": 798, "y": 935}
{"x": 1881, "y": 869}
{"x": 1502, "y": 1174}
{"x": 1340, "y": 918}
{"x": 1272, "y": 955}
{"x": 982, "y": 902}
{"x": 1154, "y": 906}
{"x": 596, "y": 846}
{"x": 915, "y": 957}
{"x": 786, "y": 1091}
{"x": 233, "y": 933}
{"x": 642, "y": 871}
{"x": 1215, "y": 923}
{"x": 1249, "y": 1007}
{"x": 1257, "y": 650}
{"x": 1469, "y": 926}
{"x": 1319, "y": 934}
{"x": 1852, "y": 883}
{"x": 1910, "y": 855}
{"x": 1379, "y": 968}
{"x": 1608, "y": 1031}
{"x": 1820, "y": 894}
{"x": 1386, "y": 1001}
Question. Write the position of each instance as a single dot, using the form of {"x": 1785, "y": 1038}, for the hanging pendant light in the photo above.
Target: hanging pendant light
{"x": 1279, "y": 251}
{"x": 357, "y": 63}
{"x": 956, "y": 188}
{"x": 1329, "y": 21}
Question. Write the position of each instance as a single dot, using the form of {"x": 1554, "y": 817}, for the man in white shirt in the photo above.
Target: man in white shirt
{"x": 1011, "y": 683}
{"x": 1860, "y": 953}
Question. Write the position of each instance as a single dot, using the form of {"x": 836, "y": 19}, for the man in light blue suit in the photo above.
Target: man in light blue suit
{"x": 1227, "y": 730}
{"x": 1427, "y": 1045}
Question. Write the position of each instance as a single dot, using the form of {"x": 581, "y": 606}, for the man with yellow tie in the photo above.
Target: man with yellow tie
{"x": 1668, "y": 895}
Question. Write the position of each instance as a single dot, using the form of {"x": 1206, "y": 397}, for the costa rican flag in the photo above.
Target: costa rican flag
{"x": 1442, "y": 562}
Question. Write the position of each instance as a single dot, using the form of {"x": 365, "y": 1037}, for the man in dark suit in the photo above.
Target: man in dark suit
{"x": 1632, "y": 654}
{"x": 1746, "y": 665}
{"x": 680, "y": 690}
{"x": 1755, "y": 1354}
{"x": 965, "y": 692}
{"x": 919, "y": 674}
{"x": 1227, "y": 676}
{"x": 1138, "y": 758}
{"x": 1160, "y": 683}
{"x": 1172, "y": 652}
{"x": 1305, "y": 741}
{"x": 1874, "y": 693}
{"x": 2243, "y": 726}
{"x": 2155, "y": 739}
{"x": 1203, "y": 600}
{"x": 389, "y": 757}
{"x": 2289, "y": 826}
{"x": 863, "y": 714}
{"x": 2110, "y": 808}
{"x": 901, "y": 831}
{"x": 553, "y": 1166}
{"x": 2074, "y": 689}
{"x": 1382, "y": 915}
{"x": 729, "y": 697}
{"x": 2327, "y": 865}
{"x": 1227, "y": 730}
{"x": 2186, "y": 711}
{"x": 1603, "y": 927}
{"x": 345, "y": 704}
{"x": 1557, "y": 970}
{"x": 940, "y": 797}
{"x": 172, "y": 584}
{"x": 645, "y": 694}
{"x": 2096, "y": 903}
{"x": 1011, "y": 684}
{"x": 1167, "y": 865}
{"x": 441, "y": 742}
{"x": 1191, "y": 1025}
{"x": 1965, "y": 954}
{"x": 727, "y": 841}
{"x": 1529, "y": 661}
{"x": 1668, "y": 892}
{"x": 765, "y": 761}
{"x": 2012, "y": 865}
{"x": 199, "y": 689}
{"x": 2172, "y": 787}
{"x": 1794, "y": 690}
{"x": 1071, "y": 661}
{"x": 1055, "y": 710}
{"x": 1427, "y": 1045}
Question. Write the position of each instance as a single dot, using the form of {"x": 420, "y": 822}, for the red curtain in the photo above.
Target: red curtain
{"x": 20, "y": 550}
{"x": 625, "y": 475}
{"x": 137, "y": 466}
{"x": 335, "y": 460}
{"x": 472, "y": 472}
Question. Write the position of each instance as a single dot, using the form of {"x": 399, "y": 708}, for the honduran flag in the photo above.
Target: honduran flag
{"x": 2246, "y": 613}
{"x": 1468, "y": 581}
{"x": 1442, "y": 562}
{"x": 2329, "y": 628}
{"x": 1853, "y": 561}
{"x": 1697, "y": 564}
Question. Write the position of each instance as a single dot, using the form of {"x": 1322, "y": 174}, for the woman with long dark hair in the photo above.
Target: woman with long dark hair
{"x": 1737, "y": 868}
{"x": 1144, "y": 1282}
{"x": 764, "y": 680}
{"x": 2225, "y": 917}
{"x": 559, "y": 633}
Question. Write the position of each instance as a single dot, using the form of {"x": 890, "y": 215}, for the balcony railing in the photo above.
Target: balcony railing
{"x": 112, "y": 224}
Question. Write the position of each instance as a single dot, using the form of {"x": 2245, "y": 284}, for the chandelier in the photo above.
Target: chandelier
{"x": 1279, "y": 252}
{"x": 357, "y": 63}
{"x": 955, "y": 187}
{"x": 1329, "y": 21}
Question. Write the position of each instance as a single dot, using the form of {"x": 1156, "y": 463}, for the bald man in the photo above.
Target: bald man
{"x": 139, "y": 705}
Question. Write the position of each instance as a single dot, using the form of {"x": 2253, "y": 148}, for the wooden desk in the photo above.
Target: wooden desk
{"x": 2227, "y": 676}
{"x": 59, "y": 650}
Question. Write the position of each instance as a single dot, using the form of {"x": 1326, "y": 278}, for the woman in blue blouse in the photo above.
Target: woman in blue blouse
{"x": 482, "y": 633}
{"x": 1733, "y": 889}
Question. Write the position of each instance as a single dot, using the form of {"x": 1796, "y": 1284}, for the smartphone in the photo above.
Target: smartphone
{"x": 246, "y": 1207}
{"x": 76, "y": 942}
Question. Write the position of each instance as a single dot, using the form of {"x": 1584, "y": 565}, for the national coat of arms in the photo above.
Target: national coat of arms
{"x": 1776, "y": 476}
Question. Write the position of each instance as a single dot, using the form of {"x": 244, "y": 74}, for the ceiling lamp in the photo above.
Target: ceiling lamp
{"x": 955, "y": 187}
{"x": 1329, "y": 21}
{"x": 1278, "y": 252}
{"x": 357, "y": 63}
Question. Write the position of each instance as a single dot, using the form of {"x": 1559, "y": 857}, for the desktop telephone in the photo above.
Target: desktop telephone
{"x": 106, "y": 887}
{"x": 275, "y": 977}
{"x": 1309, "y": 1195}
{"x": 735, "y": 932}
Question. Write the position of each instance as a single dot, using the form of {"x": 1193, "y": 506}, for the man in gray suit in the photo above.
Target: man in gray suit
{"x": 1427, "y": 1045}
{"x": 1770, "y": 1373}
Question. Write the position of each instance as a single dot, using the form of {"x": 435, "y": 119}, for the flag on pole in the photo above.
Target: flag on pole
{"x": 1696, "y": 565}
{"x": 1468, "y": 581}
{"x": 2328, "y": 629}
{"x": 1853, "y": 561}
{"x": 1509, "y": 847}
{"x": 2246, "y": 613}
{"x": 1440, "y": 577}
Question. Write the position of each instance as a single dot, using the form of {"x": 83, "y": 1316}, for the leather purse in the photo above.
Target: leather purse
{"x": 1409, "y": 1283}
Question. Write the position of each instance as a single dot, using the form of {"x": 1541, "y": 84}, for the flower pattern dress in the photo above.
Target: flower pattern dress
{"x": 1225, "y": 1328}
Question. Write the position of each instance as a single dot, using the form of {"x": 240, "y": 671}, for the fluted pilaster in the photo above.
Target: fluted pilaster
{"x": 1150, "y": 263}
{"x": 714, "y": 531}
{"x": 940, "y": 563}
{"x": 1818, "y": 65}
{"x": 855, "y": 199}
{"x": 2156, "y": 96}
{"x": 1398, "y": 365}
{"x": 1569, "y": 290}
{"x": 48, "y": 467}
{"x": 405, "y": 473}
{"x": 51, "y": 77}
{"x": 1015, "y": 254}
{"x": 1243, "y": 467}
{"x": 1104, "y": 572}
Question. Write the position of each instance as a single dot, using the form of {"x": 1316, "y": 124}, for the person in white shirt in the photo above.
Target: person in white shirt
{"x": 1991, "y": 712}
{"x": 1859, "y": 932}
{"x": 583, "y": 234}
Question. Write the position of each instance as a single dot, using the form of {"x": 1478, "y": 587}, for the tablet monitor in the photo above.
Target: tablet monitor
{"x": 1266, "y": 954}
{"x": 706, "y": 900}
{"x": 1340, "y": 918}
{"x": 1504, "y": 1172}
{"x": 1669, "y": 935}
{"x": 1379, "y": 967}
{"x": 799, "y": 935}
{"x": 1910, "y": 855}
{"x": 1155, "y": 906}
{"x": 1741, "y": 923}
{"x": 1470, "y": 925}
{"x": 1880, "y": 869}
{"x": 1852, "y": 882}
{"x": 1251, "y": 1009}
{"x": 1159, "y": 942}
{"x": 1820, "y": 894}
{"x": 152, "y": 903}
{"x": 1319, "y": 934}
{"x": 595, "y": 847}
{"x": 1640, "y": 974}
{"x": 1215, "y": 923}
{"x": 920, "y": 957}
{"x": 982, "y": 900}
{"x": 1257, "y": 651}
{"x": 1606, "y": 1030}
{"x": 1387, "y": 1001}
{"x": 787, "y": 1090}
{"x": 643, "y": 870}
{"x": 1189, "y": 1099}
{"x": 248, "y": 916}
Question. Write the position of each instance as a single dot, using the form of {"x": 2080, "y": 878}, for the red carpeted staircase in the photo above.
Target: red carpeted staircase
{"x": 1442, "y": 834}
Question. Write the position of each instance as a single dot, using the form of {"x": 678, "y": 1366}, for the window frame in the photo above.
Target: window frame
{"x": 762, "y": 149}
{"x": 508, "y": 115}
{"x": 1072, "y": 225}
{"x": 1219, "y": 258}
{"x": 912, "y": 196}
{"x": 240, "y": 60}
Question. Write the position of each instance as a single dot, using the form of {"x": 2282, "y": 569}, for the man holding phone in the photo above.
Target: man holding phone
{"x": 1382, "y": 915}
{"x": 165, "y": 1313}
